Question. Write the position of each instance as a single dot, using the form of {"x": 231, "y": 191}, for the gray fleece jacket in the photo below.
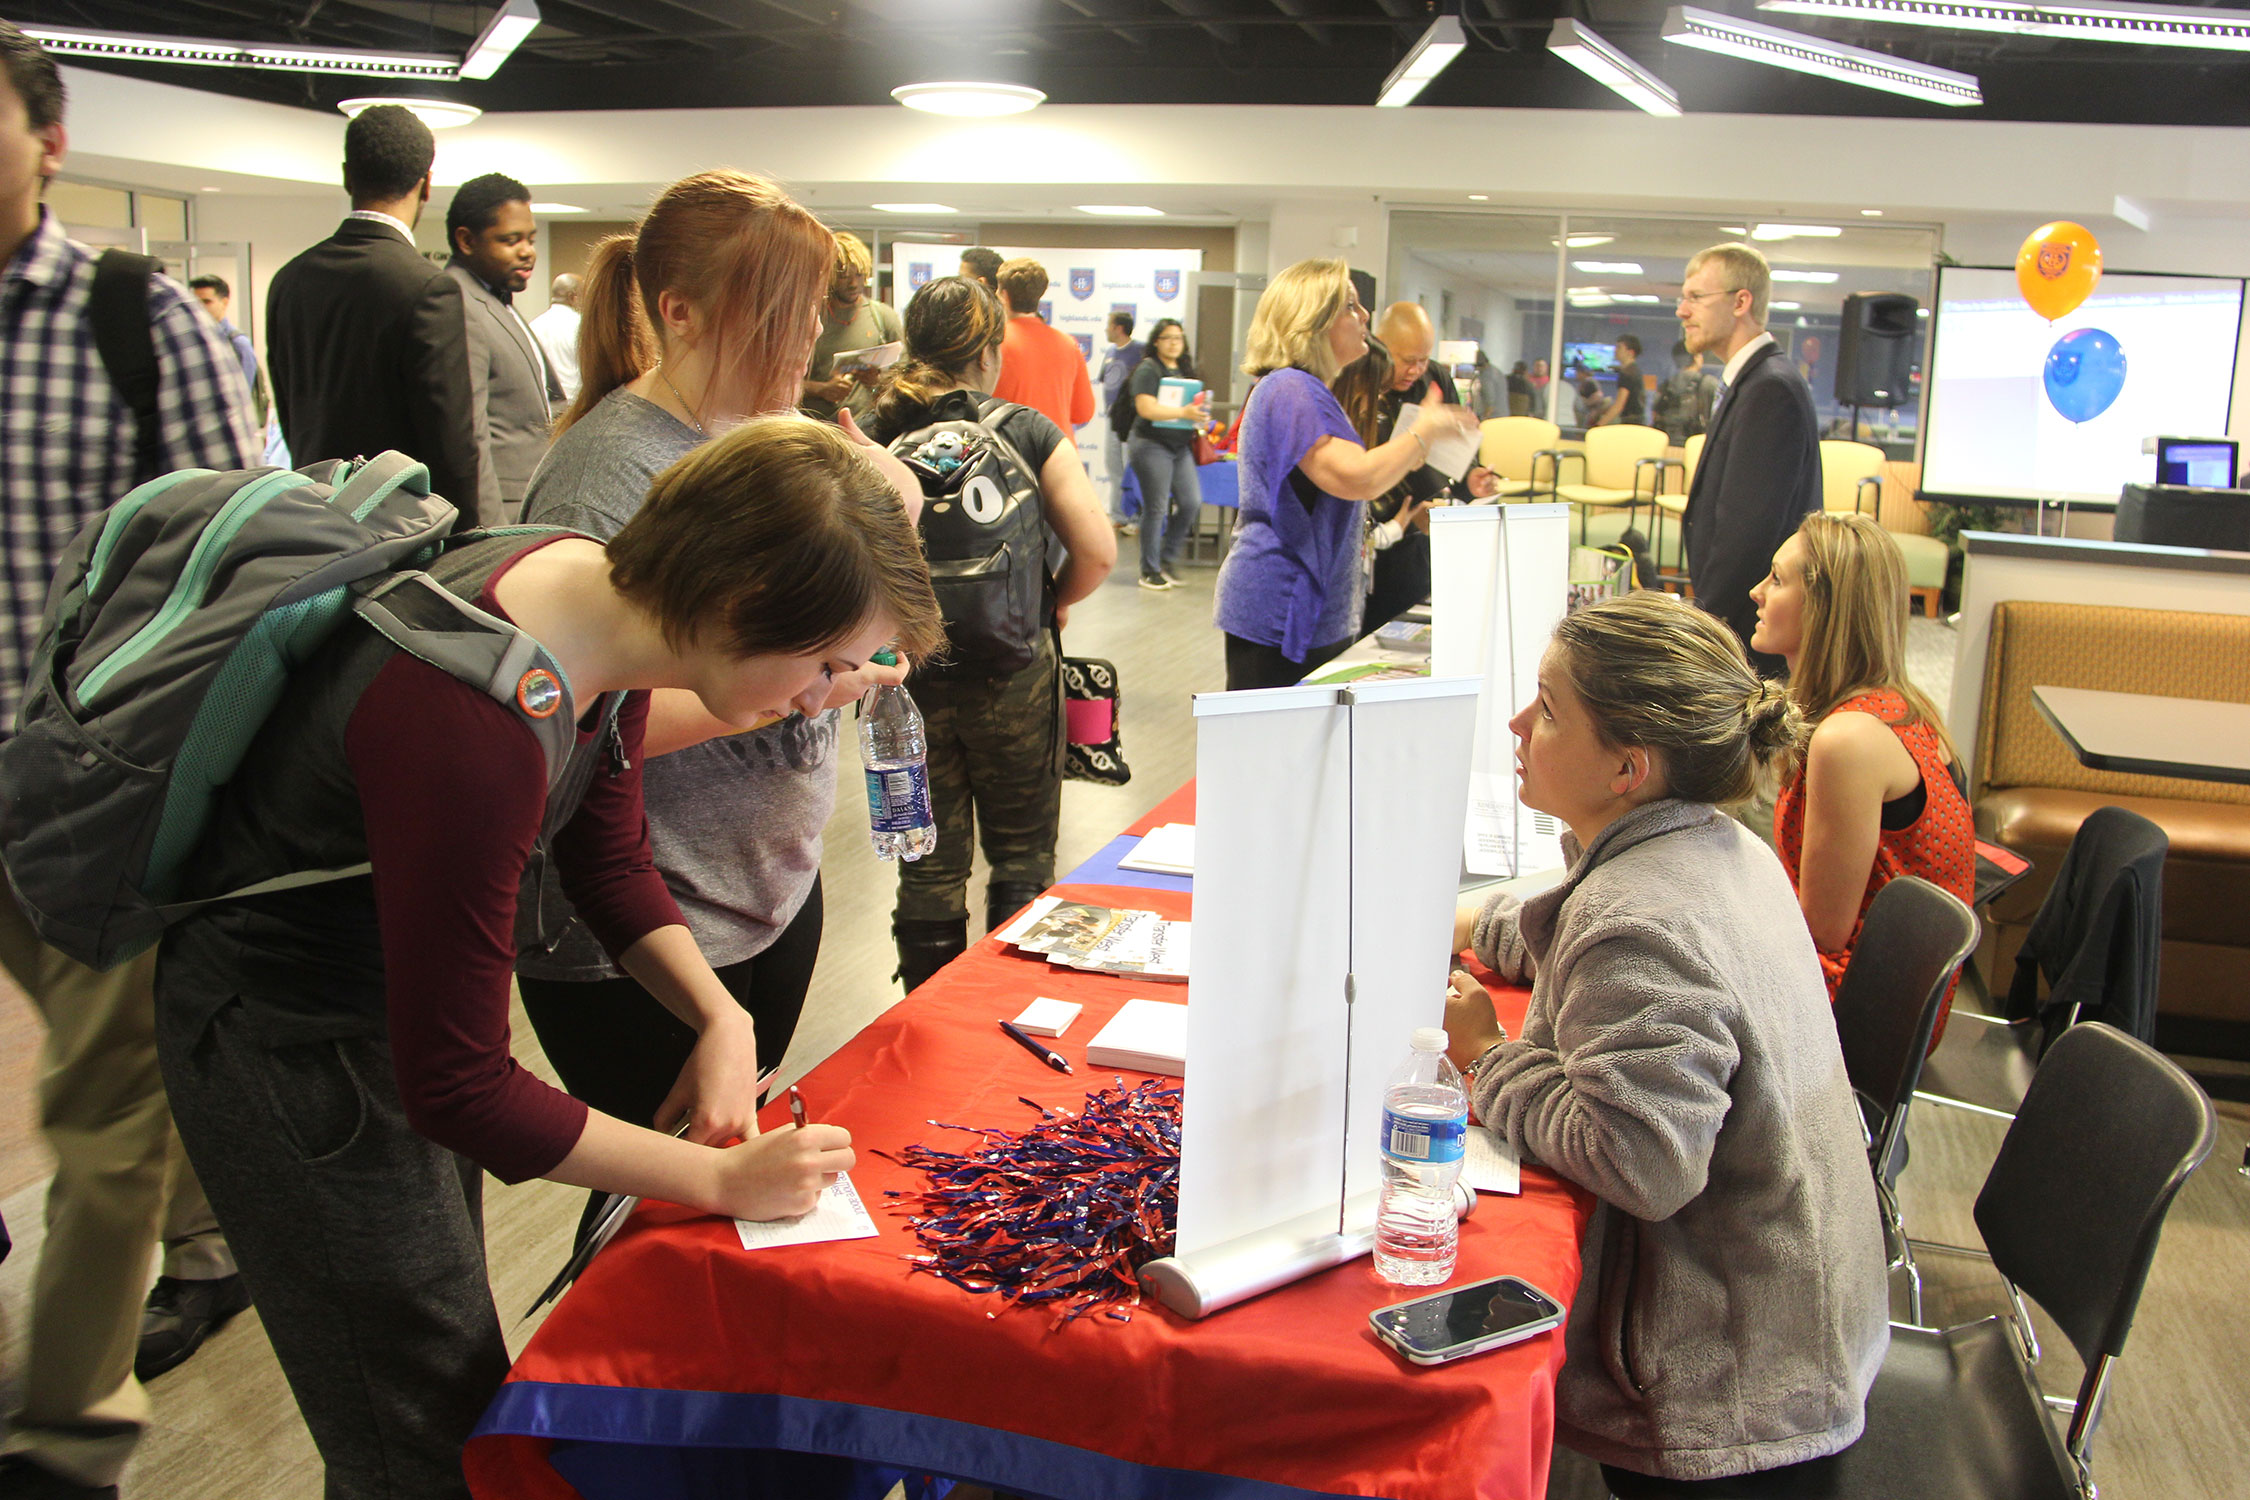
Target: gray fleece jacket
{"x": 1679, "y": 1061}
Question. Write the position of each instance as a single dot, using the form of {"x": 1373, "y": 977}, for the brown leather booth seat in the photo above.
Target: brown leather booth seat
{"x": 2031, "y": 794}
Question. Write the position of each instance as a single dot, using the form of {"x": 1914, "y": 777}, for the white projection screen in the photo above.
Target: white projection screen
{"x": 1992, "y": 433}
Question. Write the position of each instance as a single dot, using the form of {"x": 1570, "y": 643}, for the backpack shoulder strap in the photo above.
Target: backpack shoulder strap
{"x": 117, "y": 311}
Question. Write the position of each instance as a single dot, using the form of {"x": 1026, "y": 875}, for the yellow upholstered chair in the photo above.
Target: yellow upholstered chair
{"x": 1509, "y": 443}
{"x": 1621, "y": 466}
{"x": 1673, "y": 503}
{"x": 1847, "y": 472}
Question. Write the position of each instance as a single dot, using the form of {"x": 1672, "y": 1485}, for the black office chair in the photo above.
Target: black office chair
{"x": 2095, "y": 940}
{"x": 1911, "y": 945}
{"x": 2071, "y": 1210}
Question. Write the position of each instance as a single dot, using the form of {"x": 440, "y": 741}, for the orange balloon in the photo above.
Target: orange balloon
{"x": 2057, "y": 268}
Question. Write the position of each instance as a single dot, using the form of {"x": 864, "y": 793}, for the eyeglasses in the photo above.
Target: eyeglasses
{"x": 1686, "y": 297}
{"x": 1411, "y": 361}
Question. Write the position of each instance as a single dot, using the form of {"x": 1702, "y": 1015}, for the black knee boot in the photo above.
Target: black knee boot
{"x": 926, "y": 946}
{"x": 1004, "y": 898}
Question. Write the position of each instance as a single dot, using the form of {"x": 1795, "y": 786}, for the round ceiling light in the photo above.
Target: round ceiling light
{"x": 438, "y": 114}
{"x": 968, "y": 99}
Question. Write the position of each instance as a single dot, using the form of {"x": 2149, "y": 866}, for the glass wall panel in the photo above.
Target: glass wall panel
{"x": 164, "y": 217}
{"x": 1624, "y": 275}
{"x": 83, "y": 204}
{"x": 1488, "y": 279}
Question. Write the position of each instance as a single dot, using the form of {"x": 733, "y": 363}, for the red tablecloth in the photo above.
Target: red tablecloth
{"x": 676, "y": 1338}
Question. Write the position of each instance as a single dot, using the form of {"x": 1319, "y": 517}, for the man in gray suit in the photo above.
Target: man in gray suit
{"x": 514, "y": 391}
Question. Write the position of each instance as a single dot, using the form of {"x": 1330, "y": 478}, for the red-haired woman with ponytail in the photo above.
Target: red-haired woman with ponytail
{"x": 703, "y": 316}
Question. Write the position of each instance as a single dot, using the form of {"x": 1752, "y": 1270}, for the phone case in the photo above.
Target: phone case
{"x": 1474, "y": 1346}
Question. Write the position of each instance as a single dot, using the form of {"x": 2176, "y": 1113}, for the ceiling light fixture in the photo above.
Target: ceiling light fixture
{"x": 1709, "y": 31}
{"x": 516, "y": 20}
{"x": 1607, "y": 267}
{"x": 1795, "y": 232}
{"x": 1734, "y": 229}
{"x": 912, "y": 208}
{"x": 438, "y": 114}
{"x": 1121, "y": 210}
{"x": 1583, "y": 241}
{"x": 1480, "y": 197}
{"x": 2089, "y": 20}
{"x": 969, "y": 100}
{"x": 1586, "y": 51}
{"x": 1427, "y": 58}
{"x": 558, "y": 208}
{"x": 1871, "y": 213}
{"x": 1816, "y": 278}
{"x": 1784, "y": 306}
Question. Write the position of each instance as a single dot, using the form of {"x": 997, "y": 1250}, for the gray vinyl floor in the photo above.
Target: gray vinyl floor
{"x": 225, "y": 1428}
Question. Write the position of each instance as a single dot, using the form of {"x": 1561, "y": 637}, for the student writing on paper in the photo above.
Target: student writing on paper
{"x": 329, "y": 1049}
{"x": 1679, "y": 1061}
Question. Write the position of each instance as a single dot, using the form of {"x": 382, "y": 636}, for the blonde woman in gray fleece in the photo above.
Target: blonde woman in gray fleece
{"x": 1679, "y": 1061}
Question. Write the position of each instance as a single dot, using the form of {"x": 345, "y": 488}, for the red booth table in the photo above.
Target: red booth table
{"x": 683, "y": 1366}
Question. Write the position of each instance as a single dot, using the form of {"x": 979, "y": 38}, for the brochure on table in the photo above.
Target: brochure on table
{"x": 1498, "y": 579}
{"x": 1302, "y": 1005}
{"x": 1084, "y": 286}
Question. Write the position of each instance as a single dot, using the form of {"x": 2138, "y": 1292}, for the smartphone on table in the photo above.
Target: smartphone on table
{"x": 1466, "y": 1320}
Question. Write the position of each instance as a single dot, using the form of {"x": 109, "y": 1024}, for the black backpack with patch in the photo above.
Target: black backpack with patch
{"x": 985, "y": 537}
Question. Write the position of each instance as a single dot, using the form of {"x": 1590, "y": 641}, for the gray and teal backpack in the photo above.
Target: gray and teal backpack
{"x": 172, "y": 626}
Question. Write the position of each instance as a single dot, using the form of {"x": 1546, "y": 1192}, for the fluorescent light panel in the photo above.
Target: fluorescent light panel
{"x": 1430, "y": 56}
{"x": 1815, "y": 278}
{"x": 1796, "y": 232}
{"x": 1586, "y": 51}
{"x": 1608, "y": 267}
{"x": 516, "y": 20}
{"x": 557, "y": 208}
{"x": 1709, "y": 31}
{"x": 912, "y": 208}
{"x": 2143, "y": 25}
{"x": 1121, "y": 210}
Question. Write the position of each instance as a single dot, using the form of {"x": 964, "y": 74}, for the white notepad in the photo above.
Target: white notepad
{"x": 837, "y": 1215}
{"x": 1452, "y": 454}
{"x": 1490, "y": 1164}
{"x": 1166, "y": 850}
{"x": 1145, "y": 1036}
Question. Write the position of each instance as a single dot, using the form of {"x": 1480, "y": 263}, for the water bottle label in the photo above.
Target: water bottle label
{"x": 1418, "y": 1138}
{"x": 898, "y": 798}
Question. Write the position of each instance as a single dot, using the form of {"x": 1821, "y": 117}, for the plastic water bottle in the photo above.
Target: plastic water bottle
{"x": 894, "y": 751}
{"x": 1425, "y": 1131}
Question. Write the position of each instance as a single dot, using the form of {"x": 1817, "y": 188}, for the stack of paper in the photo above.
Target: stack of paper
{"x": 1145, "y": 1036}
{"x": 1452, "y": 452}
{"x": 1169, "y": 850}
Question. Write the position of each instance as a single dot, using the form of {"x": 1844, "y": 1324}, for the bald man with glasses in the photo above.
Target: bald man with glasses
{"x": 1760, "y": 470}
{"x": 1402, "y": 570}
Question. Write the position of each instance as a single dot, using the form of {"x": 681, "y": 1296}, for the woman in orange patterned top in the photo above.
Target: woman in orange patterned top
{"x": 1877, "y": 794}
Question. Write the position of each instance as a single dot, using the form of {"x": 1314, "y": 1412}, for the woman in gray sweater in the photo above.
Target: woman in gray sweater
{"x": 1679, "y": 1061}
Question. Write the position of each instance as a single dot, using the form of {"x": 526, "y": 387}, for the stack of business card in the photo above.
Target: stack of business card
{"x": 1145, "y": 1036}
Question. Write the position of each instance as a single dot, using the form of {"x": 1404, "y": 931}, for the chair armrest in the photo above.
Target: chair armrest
{"x": 1660, "y": 464}
{"x": 1558, "y": 455}
{"x": 1859, "y": 496}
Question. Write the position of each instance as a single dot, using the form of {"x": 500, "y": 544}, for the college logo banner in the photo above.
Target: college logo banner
{"x": 1085, "y": 345}
{"x": 917, "y": 274}
{"x": 1047, "y": 310}
{"x": 1167, "y": 285}
{"x": 1082, "y": 282}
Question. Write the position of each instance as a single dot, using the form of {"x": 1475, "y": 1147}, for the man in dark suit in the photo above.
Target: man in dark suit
{"x": 366, "y": 341}
{"x": 1760, "y": 470}
{"x": 513, "y": 387}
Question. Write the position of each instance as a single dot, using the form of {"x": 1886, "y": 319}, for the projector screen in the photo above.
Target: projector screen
{"x": 1992, "y": 431}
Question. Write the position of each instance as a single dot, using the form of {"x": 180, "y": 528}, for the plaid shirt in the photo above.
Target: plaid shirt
{"x": 66, "y": 438}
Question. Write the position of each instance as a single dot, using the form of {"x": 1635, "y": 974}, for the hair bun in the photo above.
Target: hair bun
{"x": 1777, "y": 725}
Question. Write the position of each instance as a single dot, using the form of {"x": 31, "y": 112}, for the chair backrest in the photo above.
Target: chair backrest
{"x": 1692, "y": 453}
{"x": 2072, "y": 1208}
{"x": 1611, "y": 452}
{"x": 1842, "y": 466}
{"x": 1509, "y": 443}
{"x": 1912, "y": 942}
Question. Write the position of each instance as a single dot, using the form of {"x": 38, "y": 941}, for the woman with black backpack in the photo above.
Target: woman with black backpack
{"x": 992, "y": 706}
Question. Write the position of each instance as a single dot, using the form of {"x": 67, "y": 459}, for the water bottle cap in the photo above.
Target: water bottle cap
{"x": 886, "y": 657}
{"x": 1429, "y": 1039}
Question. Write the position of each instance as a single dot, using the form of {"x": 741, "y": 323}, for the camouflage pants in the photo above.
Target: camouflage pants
{"x": 996, "y": 759}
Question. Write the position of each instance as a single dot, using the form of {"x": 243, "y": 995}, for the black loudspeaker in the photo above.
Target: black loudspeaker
{"x": 1877, "y": 350}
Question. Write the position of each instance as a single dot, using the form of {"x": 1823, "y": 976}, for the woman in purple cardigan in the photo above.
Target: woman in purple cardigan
{"x": 1290, "y": 590}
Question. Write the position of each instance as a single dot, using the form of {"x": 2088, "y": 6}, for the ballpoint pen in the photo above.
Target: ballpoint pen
{"x": 1023, "y": 1039}
{"x": 796, "y": 1107}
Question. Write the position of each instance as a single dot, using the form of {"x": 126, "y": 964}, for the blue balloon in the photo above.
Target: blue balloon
{"x": 2085, "y": 371}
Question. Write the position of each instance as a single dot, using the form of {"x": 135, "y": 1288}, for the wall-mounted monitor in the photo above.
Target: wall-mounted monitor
{"x": 1993, "y": 434}
{"x": 2206, "y": 463}
{"x": 1594, "y": 359}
